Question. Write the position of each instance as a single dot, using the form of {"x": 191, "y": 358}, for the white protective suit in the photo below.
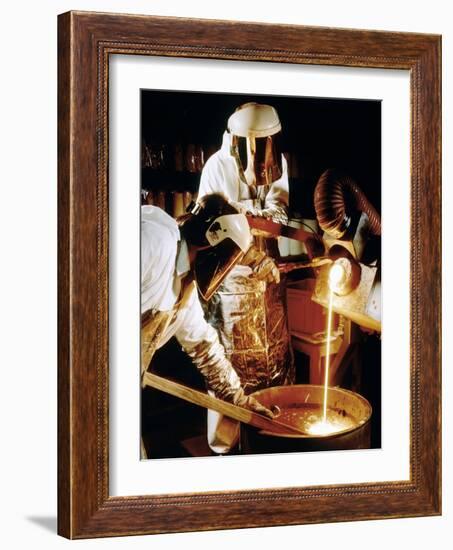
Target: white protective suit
{"x": 249, "y": 315}
{"x": 171, "y": 307}
{"x": 220, "y": 175}
{"x": 164, "y": 264}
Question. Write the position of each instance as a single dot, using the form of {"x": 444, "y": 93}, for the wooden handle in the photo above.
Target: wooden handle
{"x": 209, "y": 402}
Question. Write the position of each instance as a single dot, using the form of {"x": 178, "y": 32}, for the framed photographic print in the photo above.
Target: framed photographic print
{"x": 249, "y": 275}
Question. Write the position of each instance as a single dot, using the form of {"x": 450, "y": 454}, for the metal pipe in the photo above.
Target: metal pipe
{"x": 335, "y": 196}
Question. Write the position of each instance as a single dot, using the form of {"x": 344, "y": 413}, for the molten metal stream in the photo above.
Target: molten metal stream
{"x": 327, "y": 364}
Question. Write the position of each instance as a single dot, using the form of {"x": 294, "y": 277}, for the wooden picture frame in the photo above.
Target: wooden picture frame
{"x": 85, "y": 41}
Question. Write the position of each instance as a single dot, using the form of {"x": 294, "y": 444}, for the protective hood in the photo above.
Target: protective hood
{"x": 230, "y": 238}
{"x": 255, "y": 145}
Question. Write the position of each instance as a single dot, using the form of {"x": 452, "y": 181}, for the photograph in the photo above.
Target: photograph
{"x": 227, "y": 358}
{"x": 260, "y": 274}
{"x": 225, "y": 224}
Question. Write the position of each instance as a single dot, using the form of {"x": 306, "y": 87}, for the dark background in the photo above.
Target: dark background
{"x": 319, "y": 133}
{"x": 322, "y": 133}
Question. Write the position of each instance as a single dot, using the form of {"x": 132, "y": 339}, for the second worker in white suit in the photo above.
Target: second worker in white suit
{"x": 250, "y": 314}
{"x": 177, "y": 260}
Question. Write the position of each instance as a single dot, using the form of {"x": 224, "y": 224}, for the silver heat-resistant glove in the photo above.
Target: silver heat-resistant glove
{"x": 209, "y": 358}
{"x": 263, "y": 267}
{"x": 275, "y": 212}
{"x": 249, "y": 402}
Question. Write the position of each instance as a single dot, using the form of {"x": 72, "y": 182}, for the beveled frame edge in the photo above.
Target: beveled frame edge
{"x": 86, "y": 40}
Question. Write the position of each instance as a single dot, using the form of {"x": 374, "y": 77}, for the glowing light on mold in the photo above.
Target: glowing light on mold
{"x": 322, "y": 427}
{"x": 337, "y": 276}
{"x": 330, "y": 426}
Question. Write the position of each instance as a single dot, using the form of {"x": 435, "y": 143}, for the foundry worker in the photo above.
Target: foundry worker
{"x": 250, "y": 314}
{"x": 179, "y": 262}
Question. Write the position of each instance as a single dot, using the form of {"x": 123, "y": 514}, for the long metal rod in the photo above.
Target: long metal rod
{"x": 279, "y": 229}
{"x": 209, "y": 402}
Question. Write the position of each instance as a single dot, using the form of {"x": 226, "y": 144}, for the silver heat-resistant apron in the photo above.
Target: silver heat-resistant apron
{"x": 250, "y": 318}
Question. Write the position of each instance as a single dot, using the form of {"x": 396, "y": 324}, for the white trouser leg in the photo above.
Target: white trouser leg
{"x": 223, "y": 432}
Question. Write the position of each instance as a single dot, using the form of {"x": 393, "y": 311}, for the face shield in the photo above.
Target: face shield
{"x": 229, "y": 238}
{"x": 256, "y": 135}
